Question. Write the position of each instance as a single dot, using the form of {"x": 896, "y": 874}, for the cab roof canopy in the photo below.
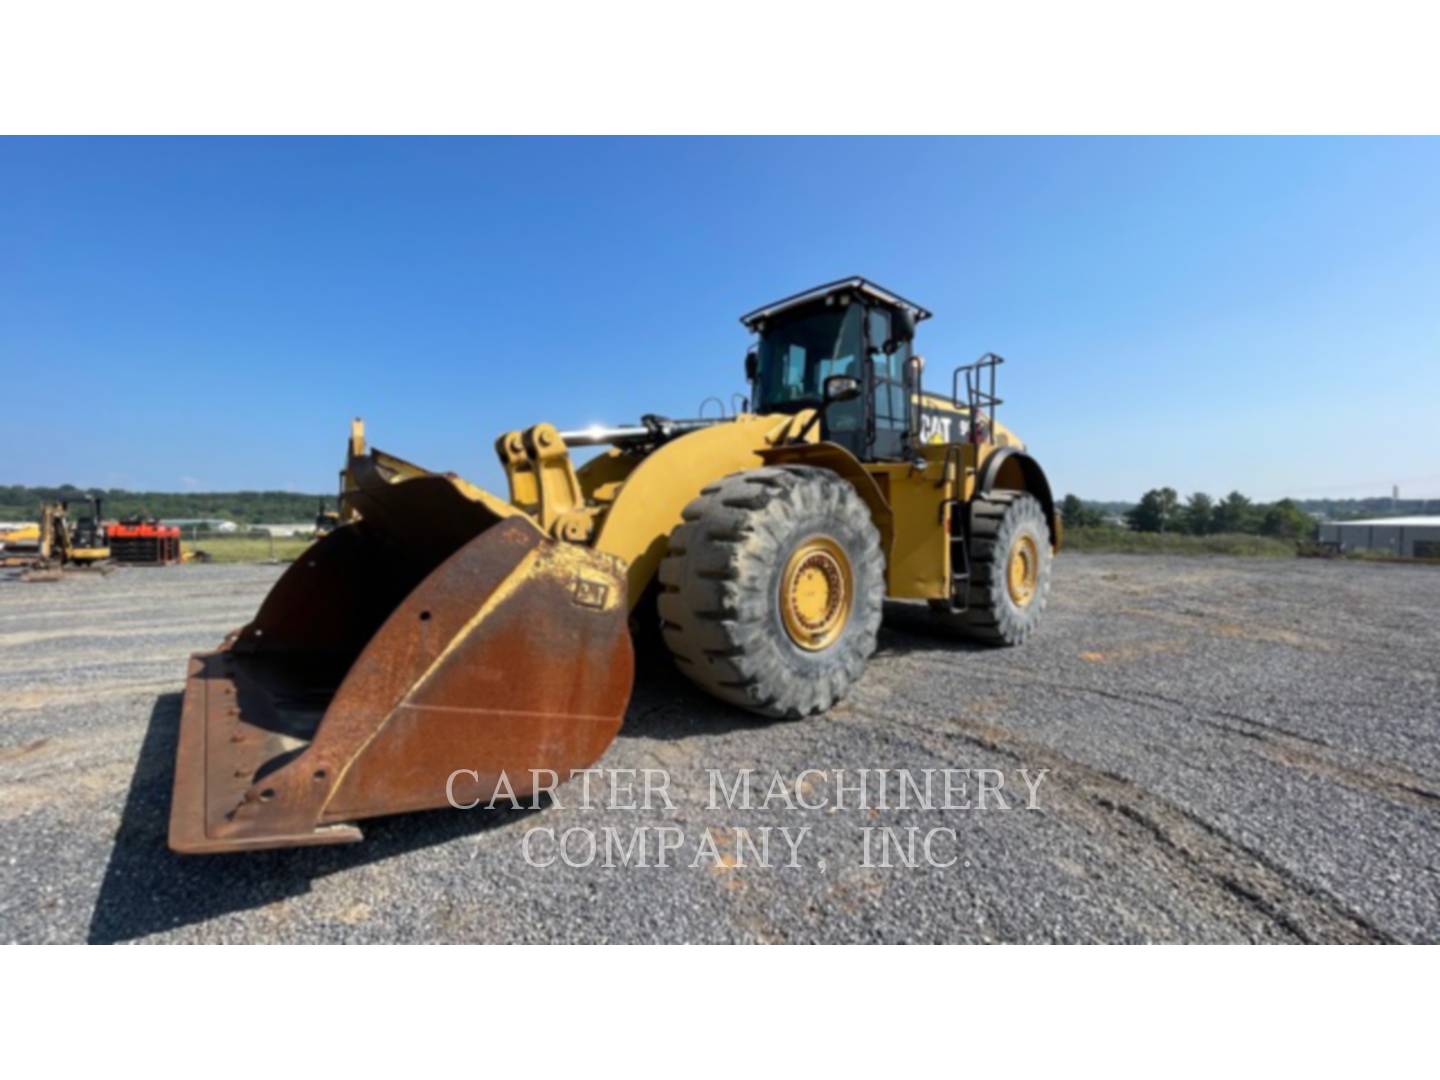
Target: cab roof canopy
{"x": 821, "y": 293}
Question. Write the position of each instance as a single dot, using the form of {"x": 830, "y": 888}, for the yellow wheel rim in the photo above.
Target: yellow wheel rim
{"x": 1023, "y": 571}
{"x": 816, "y": 591}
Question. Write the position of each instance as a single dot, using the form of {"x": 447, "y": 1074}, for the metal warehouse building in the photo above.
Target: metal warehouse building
{"x": 1416, "y": 536}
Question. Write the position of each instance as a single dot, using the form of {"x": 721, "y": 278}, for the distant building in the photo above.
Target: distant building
{"x": 298, "y": 528}
{"x": 208, "y": 524}
{"x": 1417, "y": 537}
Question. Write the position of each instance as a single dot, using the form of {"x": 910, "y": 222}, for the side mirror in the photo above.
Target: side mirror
{"x": 841, "y": 388}
{"x": 902, "y": 325}
{"x": 752, "y": 363}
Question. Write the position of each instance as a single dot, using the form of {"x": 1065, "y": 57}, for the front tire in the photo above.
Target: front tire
{"x": 773, "y": 589}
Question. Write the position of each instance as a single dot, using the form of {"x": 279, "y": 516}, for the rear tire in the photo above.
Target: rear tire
{"x": 773, "y": 589}
{"x": 1010, "y": 559}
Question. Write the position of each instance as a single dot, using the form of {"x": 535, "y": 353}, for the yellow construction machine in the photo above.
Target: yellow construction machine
{"x": 57, "y": 543}
{"x": 443, "y": 644}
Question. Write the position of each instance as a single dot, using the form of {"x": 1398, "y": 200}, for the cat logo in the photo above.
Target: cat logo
{"x": 935, "y": 428}
{"x": 590, "y": 593}
{"x": 938, "y": 427}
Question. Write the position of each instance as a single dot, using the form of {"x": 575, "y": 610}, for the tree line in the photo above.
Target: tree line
{"x": 1160, "y": 510}
{"x": 20, "y": 503}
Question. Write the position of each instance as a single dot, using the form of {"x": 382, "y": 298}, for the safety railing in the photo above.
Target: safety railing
{"x": 978, "y": 382}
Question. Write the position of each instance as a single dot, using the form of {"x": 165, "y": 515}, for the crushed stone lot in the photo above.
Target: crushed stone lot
{"x": 1238, "y": 751}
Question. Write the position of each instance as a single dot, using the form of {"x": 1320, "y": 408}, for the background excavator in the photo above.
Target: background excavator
{"x": 61, "y": 542}
{"x": 441, "y": 642}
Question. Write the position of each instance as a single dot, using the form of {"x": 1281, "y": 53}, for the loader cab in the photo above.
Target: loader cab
{"x": 853, "y": 329}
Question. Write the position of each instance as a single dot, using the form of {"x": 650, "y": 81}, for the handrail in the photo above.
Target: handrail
{"x": 980, "y": 398}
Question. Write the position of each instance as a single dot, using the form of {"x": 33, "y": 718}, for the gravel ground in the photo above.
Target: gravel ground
{"x": 1237, "y": 751}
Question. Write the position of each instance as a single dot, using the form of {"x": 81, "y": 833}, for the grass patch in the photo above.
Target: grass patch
{"x": 249, "y": 549}
{"x": 1125, "y": 541}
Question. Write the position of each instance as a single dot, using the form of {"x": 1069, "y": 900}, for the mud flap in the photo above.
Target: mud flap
{"x": 373, "y": 675}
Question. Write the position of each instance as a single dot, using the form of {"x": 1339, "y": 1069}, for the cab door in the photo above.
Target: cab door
{"x": 889, "y": 388}
{"x": 842, "y": 353}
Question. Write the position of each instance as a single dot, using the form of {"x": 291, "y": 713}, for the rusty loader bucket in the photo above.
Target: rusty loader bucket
{"x": 440, "y": 634}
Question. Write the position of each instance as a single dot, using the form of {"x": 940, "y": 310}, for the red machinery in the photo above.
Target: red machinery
{"x": 135, "y": 540}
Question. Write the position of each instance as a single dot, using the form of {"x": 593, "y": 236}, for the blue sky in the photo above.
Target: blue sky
{"x": 1205, "y": 313}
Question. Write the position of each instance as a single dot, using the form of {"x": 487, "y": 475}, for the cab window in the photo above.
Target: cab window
{"x": 798, "y": 355}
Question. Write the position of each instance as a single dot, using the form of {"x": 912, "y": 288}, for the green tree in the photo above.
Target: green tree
{"x": 1287, "y": 521}
{"x": 1235, "y": 514}
{"x": 1070, "y": 509}
{"x": 1199, "y": 513}
{"x": 1076, "y": 514}
{"x": 1157, "y": 511}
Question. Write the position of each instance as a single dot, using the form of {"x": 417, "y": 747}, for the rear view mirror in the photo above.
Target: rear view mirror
{"x": 752, "y": 363}
{"x": 841, "y": 388}
{"x": 902, "y": 325}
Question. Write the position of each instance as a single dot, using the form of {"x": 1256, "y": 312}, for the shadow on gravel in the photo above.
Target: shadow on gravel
{"x": 149, "y": 889}
{"x": 907, "y": 628}
{"x": 666, "y": 705}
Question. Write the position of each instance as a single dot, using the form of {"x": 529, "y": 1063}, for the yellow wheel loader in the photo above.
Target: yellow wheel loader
{"x": 442, "y": 645}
